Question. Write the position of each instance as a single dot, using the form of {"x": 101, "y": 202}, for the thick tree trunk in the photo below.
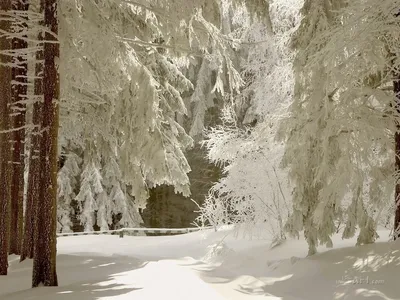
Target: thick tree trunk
{"x": 44, "y": 260}
{"x": 5, "y": 100}
{"x": 19, "y": 96}
{"x": 396, "y": 233}
{"x": 32, "y": 197}
{"x": 396, "y": 90}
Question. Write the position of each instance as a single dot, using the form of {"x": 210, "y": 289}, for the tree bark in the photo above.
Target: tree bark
{"x": 32, "y": 197}
{"x": 5, "y": 100}
{"x": 19, "y": 96}
{"x": 44, "y": 260}
{"x": 396, "y": 228}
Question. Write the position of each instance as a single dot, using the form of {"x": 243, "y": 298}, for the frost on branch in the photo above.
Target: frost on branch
{"x": 123, "y": 93}
{"x": 254, "y": 190}
{"x": 341, "y": 126}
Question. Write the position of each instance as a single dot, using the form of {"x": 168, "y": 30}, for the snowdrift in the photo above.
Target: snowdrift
{"x": 211, "y": 265}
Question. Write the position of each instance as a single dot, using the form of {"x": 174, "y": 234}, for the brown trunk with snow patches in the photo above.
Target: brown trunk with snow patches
{"x": 5, "y": 100}
{"x": 44, "y": 261}
{"x": 396, "y": 88}
{"x": 32, "y": 197}
{"x": 19, "y": 97}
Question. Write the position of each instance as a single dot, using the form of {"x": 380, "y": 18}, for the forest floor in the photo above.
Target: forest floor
{"x": 200, "y": 266}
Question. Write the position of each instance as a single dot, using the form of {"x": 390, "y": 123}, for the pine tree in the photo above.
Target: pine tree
{"x": 138, "y": 69}
{"x": 32, "y": 197}
{"x": 396, "y": 90}
{"x": 344, "y": 119}
{"x": 44, "y": 261}
{"x": 254, "y": 190}
{"x": 66, "y": 185}
{"x": 19, "y": 97}
{"x": 5, "y": 101}
{"x": 309, "y": 116}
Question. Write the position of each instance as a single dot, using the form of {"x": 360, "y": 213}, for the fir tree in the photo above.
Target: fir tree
{"x": 44, "y": 260}
{"x": 19, "y": 98}
{"x": 5, "y": 125}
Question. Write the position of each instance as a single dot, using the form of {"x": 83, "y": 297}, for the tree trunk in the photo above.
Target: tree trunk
{"x": 32, "y": 197}
{"x": 44, "y": 260}
{"x": 396, "y": 228}
{"x": 19, "y": 96}
{"x": 5, "y": 100}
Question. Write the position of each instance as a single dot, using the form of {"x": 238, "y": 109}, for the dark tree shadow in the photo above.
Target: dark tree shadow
{"x": 87, "y": 277}
{"x": 365, "y": 272}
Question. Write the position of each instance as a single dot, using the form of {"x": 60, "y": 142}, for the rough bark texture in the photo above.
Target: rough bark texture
{"x": 44, "y": 260}
{"x": 396, "y": 85}
{"x": 5, "y": 100}
{"x": 19, "y": 95}
{"x": 32, "y": 197}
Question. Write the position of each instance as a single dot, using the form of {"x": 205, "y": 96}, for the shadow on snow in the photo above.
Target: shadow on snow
{"x": 87, "y": 277}
{"x": 365, "y": 272}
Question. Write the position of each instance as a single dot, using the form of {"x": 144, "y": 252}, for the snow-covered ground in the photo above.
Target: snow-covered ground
{"x": 200, "y": 266}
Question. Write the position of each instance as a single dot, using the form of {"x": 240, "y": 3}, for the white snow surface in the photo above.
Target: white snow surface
{"x": 211, "y": 265}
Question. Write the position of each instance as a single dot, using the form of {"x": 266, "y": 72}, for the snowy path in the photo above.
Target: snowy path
{"x": 182, "y": 268}
{"x": 90, "y": 279}
{"x": 165, "y": 280}
{"x": 144, "y": 268}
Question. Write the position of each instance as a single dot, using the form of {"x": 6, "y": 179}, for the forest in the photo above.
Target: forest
{"x": 272, "y": 116}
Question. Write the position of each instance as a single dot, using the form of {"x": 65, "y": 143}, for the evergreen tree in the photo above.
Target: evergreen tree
{"x": 32, "y": 195}
{"x": 5, "y": 125}
{"x": 44, "y": 260}
{"x": 396, "y": 90}
{"x": 254, "y": 190}
{"x": 310, "y": 92}
{"x": 19, "y": 99}
{"x": 343, "y": 119}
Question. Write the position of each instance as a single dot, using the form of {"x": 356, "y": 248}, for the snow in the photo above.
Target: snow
{"x": 211, "y": 265}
